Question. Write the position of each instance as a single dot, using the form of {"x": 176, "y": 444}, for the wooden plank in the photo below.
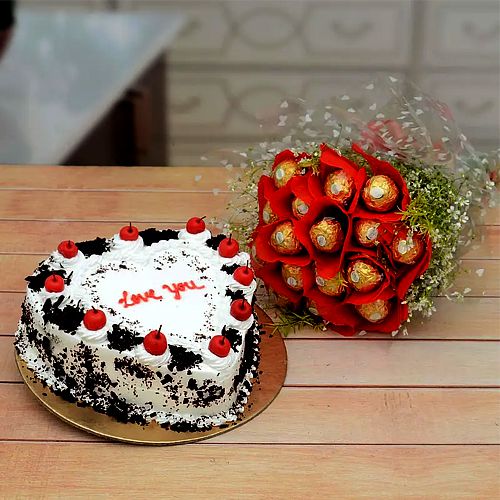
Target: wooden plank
{"x": 217, "y": 471}
{"x": 385, "y": 363}
{"x": 471, "y": 319}
{"x": 479, "y": 278}
{"x": 487, "y": 245}
{"x": 492, "y": 217}
{"x": 42, "y": 236}
{"x": 17, "y": 267}
{"x": 382, "y": 416}
{"x": 109, "y": 205}
{"x": 32, "y": 237}
{"x": 8, "y": 368}
{"x": 10, "y": 311}
{"x": 114, "y": 178}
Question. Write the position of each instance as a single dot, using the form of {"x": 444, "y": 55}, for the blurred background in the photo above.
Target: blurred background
{"x": 144, "y": 82}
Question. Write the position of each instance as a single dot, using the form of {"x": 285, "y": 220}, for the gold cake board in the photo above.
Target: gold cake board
{"x": 272, "y": 369}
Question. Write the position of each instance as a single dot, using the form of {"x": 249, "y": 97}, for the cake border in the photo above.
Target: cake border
{"x": 266, "y": 385}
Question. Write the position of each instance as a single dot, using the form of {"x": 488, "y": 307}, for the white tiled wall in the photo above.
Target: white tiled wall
{"x": 461, "y": 33}
{"x": 295, "y": 33}
{"x": 236, "y": 60}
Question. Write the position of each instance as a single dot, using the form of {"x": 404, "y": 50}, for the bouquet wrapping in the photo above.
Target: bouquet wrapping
{"x": 355, "y": 211}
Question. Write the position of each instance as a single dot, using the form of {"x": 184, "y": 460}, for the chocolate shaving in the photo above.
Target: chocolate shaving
{"x": 152, "y": 235}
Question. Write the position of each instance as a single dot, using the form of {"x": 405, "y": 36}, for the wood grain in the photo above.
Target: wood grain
{"x": 471, "y": 319}
{"x": 479, "y": 278}
{"x": 387, "y": 363}
{"x": 114, "y": 178}
{"x": 153, "y": 207}
{"x": 16, "y": 267}
{"x": 361, "y": 363}
{"x": 261, "y": 472}
{"x": 10, "y": 311}
{"x": 383, "y": 416}
{"x": 109, "y": 205}
{"x": 43, "y": 236}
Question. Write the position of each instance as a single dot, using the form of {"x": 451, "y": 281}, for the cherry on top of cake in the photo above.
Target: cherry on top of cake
{"x": 155, "y": 342}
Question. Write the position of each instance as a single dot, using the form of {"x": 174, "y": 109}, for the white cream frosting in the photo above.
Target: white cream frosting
{"x": 126, "y": 247}
{"x": 240, "y": 325}
{"x": 93, "y": 336}
{"x": 150, "y": 359}
{"x": 68, "y": 262}
{"x": 203, "y": 236}
{"x": 217, "y": 363}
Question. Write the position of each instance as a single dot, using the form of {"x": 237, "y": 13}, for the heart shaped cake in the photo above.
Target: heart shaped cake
{"x": 150, "y": 325}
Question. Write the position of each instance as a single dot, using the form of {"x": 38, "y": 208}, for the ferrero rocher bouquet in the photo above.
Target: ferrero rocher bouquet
{"x": 355, "y": 217}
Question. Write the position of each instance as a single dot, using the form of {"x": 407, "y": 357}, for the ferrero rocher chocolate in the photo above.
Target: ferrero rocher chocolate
{"x": 374, "y": 311}
{"x": 292, "y": 275}
{"x": 363, "y": 276}
{"x": 284, "y": 171}
{"x": 339, "y": 186}
{"x": 380, "y": 194}
{"x": 327, "y": 235}
{"x": 331, "y": 286}
{"x": 299, "y": 208}
{"x": 283, "y": 239}
{"x": 312, "y": 307}
{"x": 366, "y": 232}
{"x": 407, "y": 247}
{"x": 268, "y": 216}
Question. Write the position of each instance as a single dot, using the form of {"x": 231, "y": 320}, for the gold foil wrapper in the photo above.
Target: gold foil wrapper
{"x": 312, "y": 307}
{"x": 299, "y": 208}
{"x": 257, "y": 263}
{"x": 363, "y": 276}
{"x": 268, "y": 216}
{"x": 284, "y": 171}
{"x": 331, "y": 286}
{"x": 366, "y": 232}
{"x": 327, "y": 235}
{"x": 406, "y": 247}
{"x": 339, "y": 186}
{"x": 380, "y": 194}
{"x": 284, "y": 241}
{"x": 292, "y": 276}
{"x": 374, "y": 312}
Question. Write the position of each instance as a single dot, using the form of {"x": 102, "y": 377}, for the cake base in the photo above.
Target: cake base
{"x": 272, "y": 372}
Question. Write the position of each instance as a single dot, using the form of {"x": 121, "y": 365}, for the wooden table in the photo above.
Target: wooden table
{"x": 416, "y": 416}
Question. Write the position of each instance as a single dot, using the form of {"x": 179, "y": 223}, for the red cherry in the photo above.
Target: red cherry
{"x": 220, "y": 346}
{"x": 228, "y": 247}
{"x": 94, "y": 319}
{"x": 129, "y": 233}
{"x": 195, "y": 225}
{"x": 243, "y": 275}
{"x": 155, "y": 342}
{"x": 54, "y": 283}
{"x": 67, "y": 249}
{"x": 241, "y": 309}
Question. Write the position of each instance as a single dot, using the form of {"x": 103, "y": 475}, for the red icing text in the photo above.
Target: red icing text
{"x": 177, "y": 288}
{"x": 134, "y": 299}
